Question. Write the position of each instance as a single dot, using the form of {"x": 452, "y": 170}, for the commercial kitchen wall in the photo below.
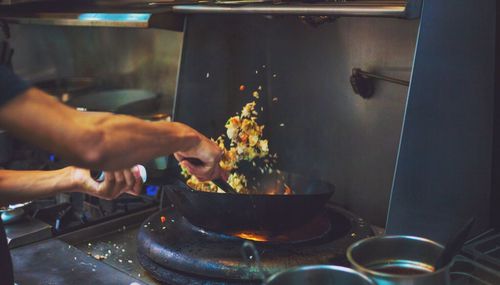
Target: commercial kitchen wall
{"x": 117, "y": 58}
{"x": 328, "y": 132}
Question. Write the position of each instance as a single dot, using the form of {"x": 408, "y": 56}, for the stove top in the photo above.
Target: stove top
{"x": 173, "y": 250}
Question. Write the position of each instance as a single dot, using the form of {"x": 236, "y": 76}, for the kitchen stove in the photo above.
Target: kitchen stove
{"x": 177, "y": 252}
{"x": 67, "y": 213}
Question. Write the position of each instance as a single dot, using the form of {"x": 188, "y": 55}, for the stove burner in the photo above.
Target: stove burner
{"x": 318, "y": 228}
{"x": 173, "y": 250}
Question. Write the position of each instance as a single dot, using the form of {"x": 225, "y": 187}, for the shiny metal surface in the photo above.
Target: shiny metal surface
{"x": 319, "y": 274}
{"x": 396, "y": 10}
{"x": 145, "y": 59}
{"x": 57, "y": 263}
{"x": 328, "y": 131}
{"x": 369, "y": 255}
{"x": 130, "y": 20}
{"x": 165, "y": 20}
{"x": 443, "y": 173}
{"x": 27, "y": 231}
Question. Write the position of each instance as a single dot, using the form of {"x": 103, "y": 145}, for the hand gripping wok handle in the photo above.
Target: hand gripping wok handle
{"x": 99, "y": 175}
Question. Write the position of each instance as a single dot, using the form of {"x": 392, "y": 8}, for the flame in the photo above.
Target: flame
{"x": 251, "y": 236}
{"x": 288, "y": 190}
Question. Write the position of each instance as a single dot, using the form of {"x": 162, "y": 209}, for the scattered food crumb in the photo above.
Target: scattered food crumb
{"x": 208, "y": 75}
{"x": 163, "y": 219}
{"x": 255, "y": 94}
{"x": 282, "y": 125}
{"x": 242, "y": 87}
{"x": 260, "y": 88}
{"x": 275, "y": 99}
{"x": 256, "y": 72}
{"x": 275, "y": 75}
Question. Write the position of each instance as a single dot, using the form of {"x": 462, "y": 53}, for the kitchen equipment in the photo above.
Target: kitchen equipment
{"x": 99, "y": 176}
{"x": 454, "y": 246}
{"x": 175, "y": 251}
{"x": 13, "y": 213}
{"x": 118, "y": 101}
{"x": 265, "y": 211}
{"x": 396, "y": 260}
{"x": 311, "y": 274}
{"x": 319, "y": 274}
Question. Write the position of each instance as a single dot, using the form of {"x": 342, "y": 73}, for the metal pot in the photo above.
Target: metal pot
{"x": 399, "y": 260}
{"x": 317, "y": 275}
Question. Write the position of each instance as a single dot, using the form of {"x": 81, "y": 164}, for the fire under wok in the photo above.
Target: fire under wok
{"x": 277, "y": 203}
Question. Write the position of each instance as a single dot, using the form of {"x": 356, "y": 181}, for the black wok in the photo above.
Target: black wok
{"x": 266, "y": 210}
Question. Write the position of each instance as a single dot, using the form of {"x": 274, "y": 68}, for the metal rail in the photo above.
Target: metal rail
{"x": 337, "y": 9}
{"x": 166, "y": 20}
{"x": 357, "y": 71}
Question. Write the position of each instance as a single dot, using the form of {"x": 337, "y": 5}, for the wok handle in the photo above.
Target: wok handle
{"x": 99, "y": 176}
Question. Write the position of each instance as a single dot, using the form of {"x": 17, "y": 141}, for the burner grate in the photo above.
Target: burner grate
{"x": 171, "y": 246}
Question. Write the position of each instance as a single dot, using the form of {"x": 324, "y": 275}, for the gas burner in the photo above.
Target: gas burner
{"x": 317, "y": 229}
{"x": 173, "y": 250}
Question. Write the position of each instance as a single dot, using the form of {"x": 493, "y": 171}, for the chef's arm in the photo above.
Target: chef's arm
{"x": 21, "y": 186}
{"x": 102, "y": 140}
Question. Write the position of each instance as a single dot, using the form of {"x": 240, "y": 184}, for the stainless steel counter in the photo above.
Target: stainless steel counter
{"x": 55, "y": 262}
{"x": 118, "y": 250}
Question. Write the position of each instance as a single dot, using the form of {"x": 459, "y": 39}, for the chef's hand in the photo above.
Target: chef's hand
{"x": 115, "y": 183}
{"x": 202, "y": 160}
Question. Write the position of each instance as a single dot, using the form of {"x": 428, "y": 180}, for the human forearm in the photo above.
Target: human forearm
{"x": 118, "y": 135}
{"x": 92, "y": 140}
{"x": 20, "y": 186}
{"x": 102, "y": 140}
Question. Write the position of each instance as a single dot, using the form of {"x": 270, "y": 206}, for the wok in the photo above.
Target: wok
{"x": 267, "y": 209}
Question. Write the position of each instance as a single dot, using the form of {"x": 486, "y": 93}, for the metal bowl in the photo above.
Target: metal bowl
{"x": 392, "y": 260}
{"x": 317, "y": 275}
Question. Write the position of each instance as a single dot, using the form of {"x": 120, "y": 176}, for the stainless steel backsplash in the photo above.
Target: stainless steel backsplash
{"x": 329, "y": 132}
{"x": 118, "y": 58}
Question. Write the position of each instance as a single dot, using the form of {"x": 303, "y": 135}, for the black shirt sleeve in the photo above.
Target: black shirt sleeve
{"x": 10, "y": 85}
